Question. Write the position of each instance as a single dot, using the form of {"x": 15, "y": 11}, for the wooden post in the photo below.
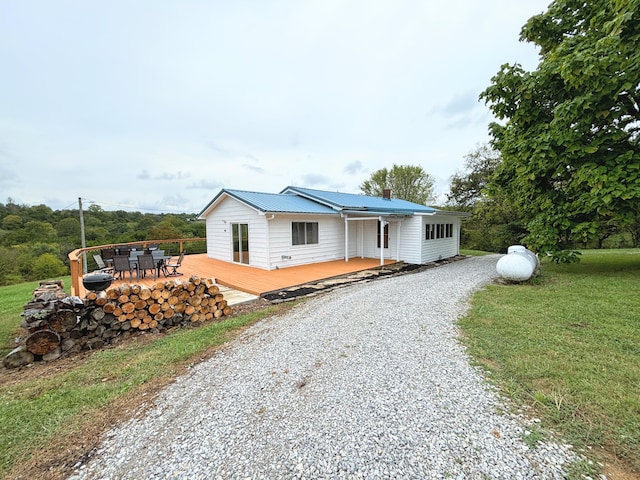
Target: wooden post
{"x": 84, "y": 244}
{"x": 76, "y": 272}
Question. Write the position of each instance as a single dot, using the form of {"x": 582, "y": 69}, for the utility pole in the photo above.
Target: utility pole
{"x": 84, "y": 243}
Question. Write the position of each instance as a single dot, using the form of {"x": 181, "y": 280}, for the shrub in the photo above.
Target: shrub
{"x": 48, "y": 265}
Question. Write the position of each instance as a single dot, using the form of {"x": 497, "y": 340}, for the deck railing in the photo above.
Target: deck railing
{"x": 75, "y": 257}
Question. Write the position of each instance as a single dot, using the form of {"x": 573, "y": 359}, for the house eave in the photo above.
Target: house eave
{"x": 297, "y": 213}
{"x": 219, "y": 197}
{"x": 451, "y": 213}
{"x": 377, "y": 213}
{"x": 211, "y": 205}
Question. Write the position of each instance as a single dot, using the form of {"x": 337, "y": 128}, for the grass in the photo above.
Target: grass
{"x": 475, "y": 253}
{"x": 41, "y": 410}
{"x": 567, "y": 344}
{"x": 12, "y": 300}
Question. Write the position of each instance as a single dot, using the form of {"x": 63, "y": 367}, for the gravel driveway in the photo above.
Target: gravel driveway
{"x": 368, "y": 381}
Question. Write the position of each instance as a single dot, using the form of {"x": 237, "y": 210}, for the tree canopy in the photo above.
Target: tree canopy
{"x": 467, "y": 188}
{"x": 408, "y": 182}
{"x": 35, "y": 240}
{"x": 570, "y": 134}
{"x": 495, "y": 223}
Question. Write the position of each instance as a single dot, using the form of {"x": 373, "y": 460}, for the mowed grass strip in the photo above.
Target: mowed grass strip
{"x": 567, "y": 343}
{"x": 13, "y": 298}
{"x": 47, "y": 409}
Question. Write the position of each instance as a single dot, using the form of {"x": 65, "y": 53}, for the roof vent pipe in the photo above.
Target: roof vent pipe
{"x": 386, "y": 194}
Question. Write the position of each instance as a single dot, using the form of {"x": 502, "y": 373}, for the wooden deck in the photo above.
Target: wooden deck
{"x": 257, "y": 281}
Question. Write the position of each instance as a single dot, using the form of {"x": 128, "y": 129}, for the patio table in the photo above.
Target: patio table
{"x": 160, "y": 261}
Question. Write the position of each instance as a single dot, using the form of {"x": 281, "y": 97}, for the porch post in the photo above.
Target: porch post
{"x": 398, "y": 240}
{"x": 346, "y": 239}
{"x": 381, "y": 241}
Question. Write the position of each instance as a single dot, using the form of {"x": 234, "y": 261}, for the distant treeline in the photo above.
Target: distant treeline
{"x": 35, "y": 241}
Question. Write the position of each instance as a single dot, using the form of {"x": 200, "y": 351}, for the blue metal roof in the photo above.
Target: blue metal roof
{"x": 310, "y": 201}
{"x": 363, "y": 203}
{"x": 273, "y": 202}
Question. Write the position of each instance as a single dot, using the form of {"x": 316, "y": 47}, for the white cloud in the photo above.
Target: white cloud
{"x": 353, "y": 168}
{"x": 120, "y": 99}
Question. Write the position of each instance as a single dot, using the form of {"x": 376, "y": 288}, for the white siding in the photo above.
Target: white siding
{"x": 411, "y": 240}
{"x": 219, "y": 235}
{"x": 330, "y": 244}
{"x": 437, "y": 249}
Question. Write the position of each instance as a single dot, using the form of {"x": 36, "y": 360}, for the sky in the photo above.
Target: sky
{"x": 156, "y": 105}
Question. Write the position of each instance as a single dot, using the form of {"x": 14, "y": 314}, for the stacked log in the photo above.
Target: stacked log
{"x": 58, "y": 325}
{"x": 164, "y": 305}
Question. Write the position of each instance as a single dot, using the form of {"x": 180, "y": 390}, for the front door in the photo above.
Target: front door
{"x": 240, "y": 242}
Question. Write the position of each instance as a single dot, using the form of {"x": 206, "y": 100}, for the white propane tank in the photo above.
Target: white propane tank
{"x": 518, "y": 265}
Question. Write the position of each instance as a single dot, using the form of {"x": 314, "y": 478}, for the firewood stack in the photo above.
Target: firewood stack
{"x": 58, "y": 324}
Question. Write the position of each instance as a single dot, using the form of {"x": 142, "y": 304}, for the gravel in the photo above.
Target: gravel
{"x": 366, "y": 382}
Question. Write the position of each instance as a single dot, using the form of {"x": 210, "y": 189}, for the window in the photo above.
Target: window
{"x": 438, "y": 230}
{"x": 304, "y": 233}
{"x": 386, "y": 235}
{"x": 431, "y": 231}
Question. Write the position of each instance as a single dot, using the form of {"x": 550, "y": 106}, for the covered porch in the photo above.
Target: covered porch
{"x": 372, "y": 240}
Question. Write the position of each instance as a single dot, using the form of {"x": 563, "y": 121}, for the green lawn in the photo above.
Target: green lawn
{"x": 475, "y": 253}
{"x": 51, "y": 409}
{"x": 568, "y": 344}
{"x": 12, "y": 300}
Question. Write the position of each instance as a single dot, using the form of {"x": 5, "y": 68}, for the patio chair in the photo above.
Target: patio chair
{"x": 172, "y": 267}
{"x": 107, "y": 255}
{"x": 121, "y": 264}
{"x": 134, "y": 254}
{"x": 102, "y": 267}
{"x": 146, "y": 262}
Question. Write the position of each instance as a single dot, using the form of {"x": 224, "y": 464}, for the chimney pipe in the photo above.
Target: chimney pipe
{"x": 386, "y": 194}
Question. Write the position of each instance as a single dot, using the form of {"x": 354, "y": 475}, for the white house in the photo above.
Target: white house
{"x": 300, "y": 226}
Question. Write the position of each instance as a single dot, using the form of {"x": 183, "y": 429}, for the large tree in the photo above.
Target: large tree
{"x": 495, "y": 223}
{"x": 570, "y": 134}
{"x": 469, "y": 187}
{"x": 408, "y": 182}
